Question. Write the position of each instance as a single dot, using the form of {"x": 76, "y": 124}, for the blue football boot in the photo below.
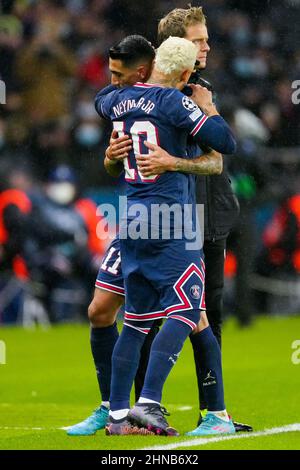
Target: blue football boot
{"x": 90, "y": 425}
{"x": 212, "y": 425}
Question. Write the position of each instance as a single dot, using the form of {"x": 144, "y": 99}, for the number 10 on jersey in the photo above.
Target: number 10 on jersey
{"x": 137, "y": 130}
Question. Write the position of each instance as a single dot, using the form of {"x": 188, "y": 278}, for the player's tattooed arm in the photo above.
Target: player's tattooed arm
{"x": 115, "y": 153}
{"x": 210, "y": 163}
{"x": 159, "y": 161}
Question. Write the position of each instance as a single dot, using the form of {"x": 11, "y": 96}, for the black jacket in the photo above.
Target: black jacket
{"x": 221, "y": 207}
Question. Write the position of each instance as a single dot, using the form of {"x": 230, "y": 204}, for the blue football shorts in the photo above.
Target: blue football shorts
{"x": 110, "y": 275}
{"x": 162, "y": 280}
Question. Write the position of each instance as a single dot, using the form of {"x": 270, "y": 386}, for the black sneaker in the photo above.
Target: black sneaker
{"x": 122, "y": 427}
{"x": 239, "y": 427}
{"x": 152, "y": 417}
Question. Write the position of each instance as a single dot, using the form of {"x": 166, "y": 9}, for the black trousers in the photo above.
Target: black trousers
{"x": 214, "y": 252}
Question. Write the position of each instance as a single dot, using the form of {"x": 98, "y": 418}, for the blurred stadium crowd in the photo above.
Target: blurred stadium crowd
{"x": 53, "y": 59}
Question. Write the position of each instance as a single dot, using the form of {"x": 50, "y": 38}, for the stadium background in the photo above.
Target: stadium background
{"x": 53, "y": 59}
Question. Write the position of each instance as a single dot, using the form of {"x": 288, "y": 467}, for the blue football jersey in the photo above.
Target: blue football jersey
{"x": 166, "y": 117}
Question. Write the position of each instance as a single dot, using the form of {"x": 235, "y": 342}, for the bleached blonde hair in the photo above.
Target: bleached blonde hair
{"x": 175, "y": 55}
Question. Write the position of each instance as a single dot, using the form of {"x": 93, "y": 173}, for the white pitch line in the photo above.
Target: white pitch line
{"x": 23, "y": 428}
{"x": 203, "y": 441}
{"x": 26, "y": 428}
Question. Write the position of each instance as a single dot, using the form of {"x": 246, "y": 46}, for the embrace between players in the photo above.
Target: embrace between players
{"x": 160, "y": 277}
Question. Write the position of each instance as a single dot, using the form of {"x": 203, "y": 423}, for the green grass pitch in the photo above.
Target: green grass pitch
{"x": 49, "y": 382}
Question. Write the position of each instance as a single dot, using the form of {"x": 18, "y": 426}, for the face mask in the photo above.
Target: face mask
{"x": 61, "y": 193}
{"x": 88, "y": 135}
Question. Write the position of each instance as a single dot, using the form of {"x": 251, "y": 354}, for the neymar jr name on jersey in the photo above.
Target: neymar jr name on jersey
{"x": 126, "y": 105}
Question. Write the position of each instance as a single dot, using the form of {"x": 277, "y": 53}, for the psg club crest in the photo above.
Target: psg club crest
{"x": 195, "y": 291}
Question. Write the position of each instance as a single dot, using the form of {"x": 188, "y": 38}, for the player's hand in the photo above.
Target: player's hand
{"x": 119, "y": 147}
{"x": 157, "y": 162}
{"x": 203, "y": 98}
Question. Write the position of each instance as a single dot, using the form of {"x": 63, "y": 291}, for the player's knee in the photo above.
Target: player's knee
{"x": 100, "y": 316}
{"x": 92, "y": 312}
{"x": 202, "y": 324}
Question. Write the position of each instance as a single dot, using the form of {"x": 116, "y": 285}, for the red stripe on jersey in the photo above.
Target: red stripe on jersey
{"x": 203, "y": 265}
{"x": 185, "y": 303}
{"x": 199, "y": 125}
{"x": 147, "y": 85}
{"x": 203, "y": 304}
{"x": 142, "y": 330}
{"x": 144, "y": 316}
{"x": 110, "y": 287}
{"x": 190, "y": 323}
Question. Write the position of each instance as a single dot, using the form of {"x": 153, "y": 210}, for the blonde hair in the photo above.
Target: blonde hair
{"x": 175, "y": 55}
{"x": 176, "y": 22}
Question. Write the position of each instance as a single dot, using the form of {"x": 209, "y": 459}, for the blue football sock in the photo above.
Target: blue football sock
{"x": 208, "y": 352}
{"x": 164, "y": 352}
{"x": 125, "y": 361}
{"x": 200, "y": 376}
{"x": 103, "y": 341}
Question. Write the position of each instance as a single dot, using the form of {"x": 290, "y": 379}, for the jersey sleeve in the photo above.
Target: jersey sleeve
{"x": 102, "y": 102}
{"x": 216, "y": 133}
{"x": 211, "y": 131}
